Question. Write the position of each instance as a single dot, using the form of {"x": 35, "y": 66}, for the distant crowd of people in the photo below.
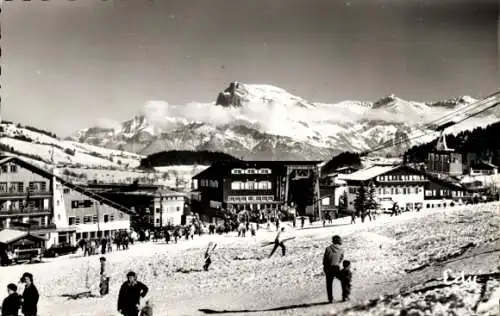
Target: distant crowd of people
{"x": 132, "y": 291}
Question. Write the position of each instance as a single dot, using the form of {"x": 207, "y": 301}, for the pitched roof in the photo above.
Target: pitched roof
{"x": 10, "y": 235}
{"x": 368, "y": 173}
{"x": 48, "y": 174}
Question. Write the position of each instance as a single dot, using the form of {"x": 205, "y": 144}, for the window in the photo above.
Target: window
{"x": 3, "y": 187}
{"x": 71, "y": 221}
{"x": 94, "y": 219}
{"x": 265, "y": 171}
{"x": 120, "y": 215}
{"x": 237, "y": 171}
{"x": 66, "y": 191}
{"x": 106, "y": 218}
{"x": 236, "y": 185}
{"x": 325, "y": 201}
{"x": 77, "y": 220}
{"x": 87, "y": 219}
{"x": 251, "y": 171}
{"x": 111, "y": 218}
{"x": 4, "y": 169}
{"x": 13, "y": 168}
{"x": 74, "y": 204}
{"x": 178, "y": 209}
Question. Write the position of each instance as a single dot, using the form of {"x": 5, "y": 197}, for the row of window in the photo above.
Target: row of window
{"x": 399, "y": 190}
{"x": 251, "y": 171}
{"x": 169, "y": 209}
{"x": 18, "y": 187}
{"x": 250, "y": 198}
{"x": 401, "y": 177}
{"x": 209, "y": 183}
{"x": 7, "y": 168}
{"x": 444, "y": 192}
{"x": 90, "y": 219}
{"x": 251, "y": 185}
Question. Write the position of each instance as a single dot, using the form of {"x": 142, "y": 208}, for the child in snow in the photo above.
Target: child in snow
{"x": 345, "y": 280}
{"x": 12, "y": 303}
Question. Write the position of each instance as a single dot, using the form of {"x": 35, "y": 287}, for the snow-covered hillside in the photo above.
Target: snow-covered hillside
{"x": 39, "y": 146}
{"x": 257, "y": 121}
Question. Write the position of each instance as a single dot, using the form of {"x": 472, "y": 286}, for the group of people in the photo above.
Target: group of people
{"x": 27, "y": 302}
{"x": 95, "y": 246}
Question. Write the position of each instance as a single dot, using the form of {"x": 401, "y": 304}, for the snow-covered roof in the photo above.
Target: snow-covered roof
{"x": 10, "y": 235}
{"x": 368, "y": 173}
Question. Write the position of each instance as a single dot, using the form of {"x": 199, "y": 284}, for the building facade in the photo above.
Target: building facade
{"x": 407, "y": 187}
{"x": 58, "y": 210}
{"x": 258, "y": 186}
{"x": 151, "y": 204}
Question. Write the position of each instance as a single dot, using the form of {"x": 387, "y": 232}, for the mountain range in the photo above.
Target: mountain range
{"x": 257, "y": 121}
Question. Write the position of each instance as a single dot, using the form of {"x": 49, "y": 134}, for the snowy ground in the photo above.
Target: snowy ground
{"x": 243, "y": 281}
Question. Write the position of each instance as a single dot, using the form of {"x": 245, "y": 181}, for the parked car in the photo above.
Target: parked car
{"x": 26, "y": 255}
{"x": 59, "y": 250}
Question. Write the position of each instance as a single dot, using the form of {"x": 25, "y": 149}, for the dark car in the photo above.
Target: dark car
{"x": 60, "y": 250}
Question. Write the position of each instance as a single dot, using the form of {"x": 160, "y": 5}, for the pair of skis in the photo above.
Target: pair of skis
{"x": 265, "y": 244}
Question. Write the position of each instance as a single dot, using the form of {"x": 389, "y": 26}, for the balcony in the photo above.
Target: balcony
{"x": 24, "y": 212}
{"x": 22, "y": 194}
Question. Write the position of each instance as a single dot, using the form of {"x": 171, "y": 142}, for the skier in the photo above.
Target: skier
{"x": 208, "y": 253}
{"x": 278, "y": 242}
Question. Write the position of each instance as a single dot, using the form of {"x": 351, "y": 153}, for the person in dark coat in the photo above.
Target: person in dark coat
{"x": 334, "y": 254}
{"x": 30, "y": 296}
{"x": 130, "y": 295}
{"x": 12, "y": 303}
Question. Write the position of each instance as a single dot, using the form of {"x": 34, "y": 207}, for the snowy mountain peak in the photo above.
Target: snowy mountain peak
{"x": 239, "y": 94}
{"x": 454, "y": 102}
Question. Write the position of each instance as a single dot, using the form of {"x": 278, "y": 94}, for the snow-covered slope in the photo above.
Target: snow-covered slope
{"x": 256, "y": 121}
{"x": 43, "y": 147}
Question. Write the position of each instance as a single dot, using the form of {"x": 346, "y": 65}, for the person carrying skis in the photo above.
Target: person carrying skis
{"x": 278, "y": 242}
{"x": 208, "y": 253}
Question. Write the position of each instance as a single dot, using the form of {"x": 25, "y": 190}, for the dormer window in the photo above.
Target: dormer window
{"x": 237, "y": 171}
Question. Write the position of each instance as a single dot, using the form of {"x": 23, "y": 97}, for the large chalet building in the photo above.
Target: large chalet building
{"x": 256, "y": 186}
{"x": 409, "y": 188}
{"x": 46, "y": 204}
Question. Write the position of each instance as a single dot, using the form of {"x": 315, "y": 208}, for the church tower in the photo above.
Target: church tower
{"x": 443, "y": 161}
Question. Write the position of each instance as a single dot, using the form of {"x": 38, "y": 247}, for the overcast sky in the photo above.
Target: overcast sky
{"x": 66, "y": 64}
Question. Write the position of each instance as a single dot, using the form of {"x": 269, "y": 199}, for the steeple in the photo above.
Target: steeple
{"x": 441, "y": 143}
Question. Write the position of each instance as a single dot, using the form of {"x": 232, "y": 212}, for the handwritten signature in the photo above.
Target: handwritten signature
{"x": 450, "y": 277}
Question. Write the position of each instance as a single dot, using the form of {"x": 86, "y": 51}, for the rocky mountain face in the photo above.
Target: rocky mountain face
{"x": 265, "y": 122}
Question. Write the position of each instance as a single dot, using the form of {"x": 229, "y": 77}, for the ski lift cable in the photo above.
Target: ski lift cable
{"x": 390, "y": 143}
{"x": 385, "y": 146}
{"x": 435, "y": 125}
{"x": 465, "y": 109}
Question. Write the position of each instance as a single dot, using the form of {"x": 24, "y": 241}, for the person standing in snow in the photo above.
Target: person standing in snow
{"x": 334, "y": 254}
{"x": 278, "y": 242}
{"x": 104, "y": 282}
{"x": 130, "y": 295}
{"x": 30, "y": 296}
{"x": 12, "y": 303}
